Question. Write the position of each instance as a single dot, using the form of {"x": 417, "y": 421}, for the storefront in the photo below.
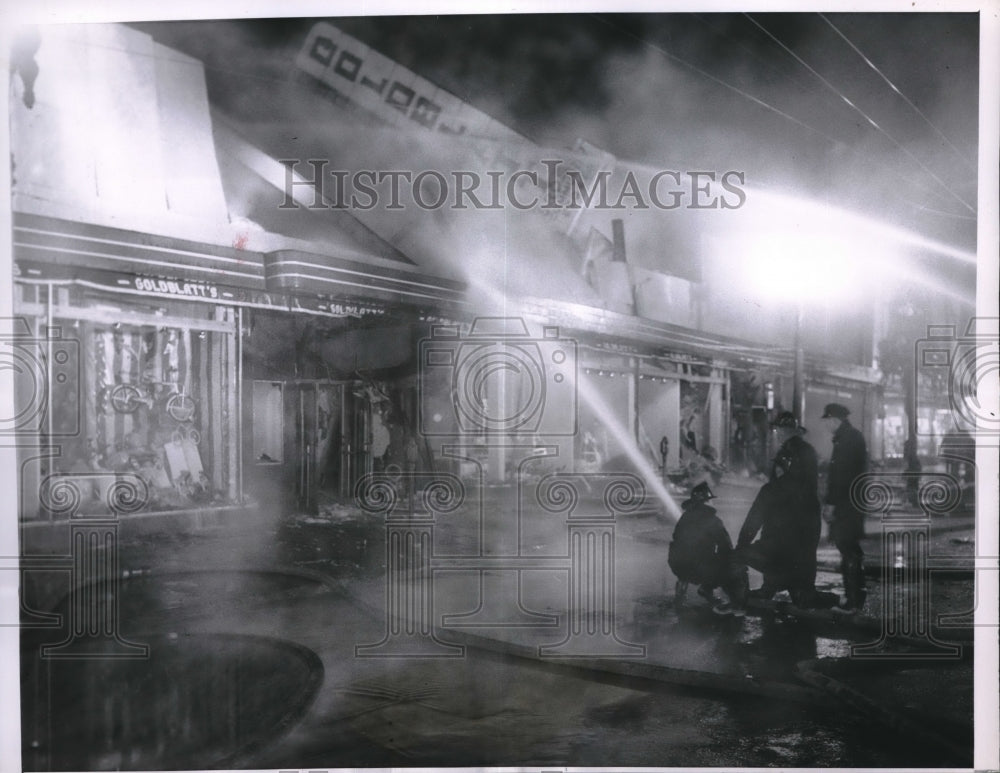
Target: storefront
{"x": 860, "y": 398}
{"x": 935, "y": 424}
{"x": 141, "y": 383}
{"x": 331, "y": 375}
{"x": 755, "y": 394}
{"x": 760, "y": 391}
{"x": 219, "y": 376}
{"x": 291, "y": 388}
{"x": 135, "y": 363}
{"x": 328, "y": 399}
{"x": 637, "y": 400}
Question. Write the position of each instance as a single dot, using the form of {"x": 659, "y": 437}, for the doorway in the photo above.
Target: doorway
{"x": 311, "y": 440}
{"x": 330, "y": 440}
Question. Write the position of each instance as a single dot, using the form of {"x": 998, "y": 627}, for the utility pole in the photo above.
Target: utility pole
{"x": 798, "y": 377}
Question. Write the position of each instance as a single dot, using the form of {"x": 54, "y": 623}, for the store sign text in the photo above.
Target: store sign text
{"x": 386, "y": 88}
{"x": 169, "y": 287}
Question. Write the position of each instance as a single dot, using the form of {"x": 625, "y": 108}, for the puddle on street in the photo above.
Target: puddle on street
{"x": 206, "y": 700}
{"x": 832, "y": 648}
{"x": 532, "y": 713}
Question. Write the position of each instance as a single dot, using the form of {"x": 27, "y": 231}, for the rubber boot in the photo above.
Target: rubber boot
{"x": 679, "y": 593}
{"x": 854, "y": 583}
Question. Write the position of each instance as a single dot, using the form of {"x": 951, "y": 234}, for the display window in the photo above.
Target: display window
{"x": 154, "y": 395}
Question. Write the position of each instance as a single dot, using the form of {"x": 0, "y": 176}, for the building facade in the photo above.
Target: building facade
{"x": 225, "y": 361}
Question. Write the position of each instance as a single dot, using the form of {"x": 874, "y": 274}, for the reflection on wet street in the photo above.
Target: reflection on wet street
{"x": 259, "y": 668}
{"x": 196, "y": 700}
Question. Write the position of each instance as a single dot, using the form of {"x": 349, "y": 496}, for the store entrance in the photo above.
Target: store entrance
{"x": 329, "y": 440}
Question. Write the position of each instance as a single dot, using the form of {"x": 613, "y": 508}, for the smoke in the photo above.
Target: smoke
{"x": 679, "y": 91}
{"x": 674, "y": 102}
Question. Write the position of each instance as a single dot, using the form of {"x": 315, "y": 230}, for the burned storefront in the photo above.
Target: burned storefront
{"x": 215, "y": 396}
{"x": 166, "y": 339}
{"x": 331, "y": 379}
{"x": 127, "y": 278}
{"x": 133, "y": 372}
{"x": 238, "y": 338}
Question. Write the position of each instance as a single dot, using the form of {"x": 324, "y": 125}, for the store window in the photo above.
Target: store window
{"x": 704, "y": 430}
{"x": 139, "y": 385}
{"x": 153, "y": 400}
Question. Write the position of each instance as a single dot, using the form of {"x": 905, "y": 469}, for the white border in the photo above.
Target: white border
{"x": 987, "y": 697}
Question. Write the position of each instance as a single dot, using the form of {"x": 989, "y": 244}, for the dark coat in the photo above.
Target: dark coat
{"x": 789, "y": 535}
{"x": 701, "y": 549}
{"x": 801, "y": 480}
{"x": 848, "y": 461}
{"x": 774, "y": 516}
{"x": 802, "y": 466}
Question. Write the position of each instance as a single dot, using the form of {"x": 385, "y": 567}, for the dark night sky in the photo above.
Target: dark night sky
{"x": 662, "y": 90}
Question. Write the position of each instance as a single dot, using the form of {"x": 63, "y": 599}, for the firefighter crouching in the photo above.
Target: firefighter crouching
{"x": 701, "y": 552}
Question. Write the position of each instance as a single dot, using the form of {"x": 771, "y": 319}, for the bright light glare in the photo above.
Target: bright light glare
{"x": 785, "y": 248}
{"x": 804, "y": 267}
{"x": 783, "y": 211}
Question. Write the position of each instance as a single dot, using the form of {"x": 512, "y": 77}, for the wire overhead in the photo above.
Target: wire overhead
{"x": 965, "y": 160}
{"x": 871, "y": 122}
{"x": 719, "y": 81}
{"x": 912, "y": 183}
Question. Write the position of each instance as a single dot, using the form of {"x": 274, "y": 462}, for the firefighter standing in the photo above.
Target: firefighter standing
{"x": 800, "y": 471}
{"x": 848, "y": 461}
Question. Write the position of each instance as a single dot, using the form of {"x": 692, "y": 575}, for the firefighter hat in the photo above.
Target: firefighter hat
{"x": 700, "y": 493}
{"x": 835, "y": 411}
{"x": 785, "y": 419}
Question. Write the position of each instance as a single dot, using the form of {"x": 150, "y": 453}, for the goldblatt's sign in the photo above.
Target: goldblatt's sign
{"x": 389, "y": 90}
{"x": 400, "y": 97}
{"x": 178, "y": 288}
{"x": 171, "y": 287}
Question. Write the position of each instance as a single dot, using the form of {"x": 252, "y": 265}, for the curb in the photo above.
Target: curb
{"x": 960, "y": 636}
{"x": 891, "y": 719}
{"x": 633, "y": 669}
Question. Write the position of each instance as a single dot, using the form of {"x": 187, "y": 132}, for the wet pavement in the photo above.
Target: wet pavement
{"x": 252, "y": 632}
{"x": 216, "y": 698}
